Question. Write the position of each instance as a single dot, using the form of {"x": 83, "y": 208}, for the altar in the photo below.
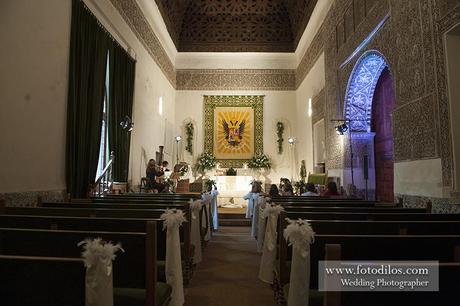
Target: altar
{"x": 232, "y": 189}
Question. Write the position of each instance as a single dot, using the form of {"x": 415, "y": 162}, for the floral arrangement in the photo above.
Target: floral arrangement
{"x": 259, "y": 162}
{"x": 279, "y": 133}
{"x": 206, "y": 161}
{"x": 303, "y": 170}
{"x": 210, "y": 183}
{"x": 300, "y": 186}
{"x": 183, "y": 170}
{"x": 189, "y": 129}
{"x": 169, "y": 186}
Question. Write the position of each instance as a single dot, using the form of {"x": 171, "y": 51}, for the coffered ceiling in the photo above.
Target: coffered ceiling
{"x": 236, "y": 25}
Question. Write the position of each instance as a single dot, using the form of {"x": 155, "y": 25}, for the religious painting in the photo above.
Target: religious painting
{"x": 233, "y": 128}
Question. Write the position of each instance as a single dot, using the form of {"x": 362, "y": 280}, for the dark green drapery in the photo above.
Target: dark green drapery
{"x": 89, "y": 44}
{"x": 122, "y": 73}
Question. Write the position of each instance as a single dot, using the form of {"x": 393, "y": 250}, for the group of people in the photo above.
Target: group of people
{"x": 309, "y": 190}
{"x": 155, "y": 175}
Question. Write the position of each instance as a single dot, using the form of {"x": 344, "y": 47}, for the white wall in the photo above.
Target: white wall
{"x": 33, "y": 94}
{"x": 35, "y": 38}
{"x": 420, "y": 177}
{"x": 277, "y": 105}
{"x": 310, "y": 87}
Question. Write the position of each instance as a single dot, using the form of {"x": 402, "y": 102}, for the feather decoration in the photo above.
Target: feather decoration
{"x": 272, "y": 209}
{"x": 172, "y": 218}
{"x": 195, "y": 207}
{"x": 300, "y": 235}
{"x": 96, "y": 251}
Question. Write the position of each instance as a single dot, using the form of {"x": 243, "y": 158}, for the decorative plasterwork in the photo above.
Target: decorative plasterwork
{"x": 360, "y": 90}
{"x": 132, "y": 14}
{"x": 238, "y": 79}
{"x": 317, "y": 103}
{"x": 255, "y": 102}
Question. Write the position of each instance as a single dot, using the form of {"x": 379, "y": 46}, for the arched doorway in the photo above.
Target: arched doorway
{"x": 369, "y": 103}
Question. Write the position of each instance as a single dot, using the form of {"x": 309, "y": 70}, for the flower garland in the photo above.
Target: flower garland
{"x": 260, "y": 161}
{"x": 206, "y": 161}
{"x": 189, "y": 129}
{"x": 279, "y": 133}
{"x": 303, "y": 171}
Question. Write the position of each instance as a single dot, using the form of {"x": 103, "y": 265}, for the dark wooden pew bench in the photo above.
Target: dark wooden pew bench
{"x": 135, "y": 270}
{"x": 32, "y": 281}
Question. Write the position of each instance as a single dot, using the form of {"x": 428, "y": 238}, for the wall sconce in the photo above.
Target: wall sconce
{"x": 127, "y": 124}
{"x": 292, "y": 140}
{"x": 310, "y": 110}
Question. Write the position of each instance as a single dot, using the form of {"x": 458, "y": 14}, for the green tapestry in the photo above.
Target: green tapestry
{"x": 233, "y": 130}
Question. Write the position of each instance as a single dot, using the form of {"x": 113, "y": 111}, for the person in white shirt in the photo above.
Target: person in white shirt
{"x": 311, "y": 191}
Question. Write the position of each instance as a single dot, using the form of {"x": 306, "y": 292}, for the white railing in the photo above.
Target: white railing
{"x": 104, "y": 182}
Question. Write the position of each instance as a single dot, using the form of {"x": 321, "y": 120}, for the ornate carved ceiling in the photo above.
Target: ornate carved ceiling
{"x": 236, "y": 25}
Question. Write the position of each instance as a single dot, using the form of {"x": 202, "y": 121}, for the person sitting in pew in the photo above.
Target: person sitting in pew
{"x": 152, "y": 172}
{"x": 274, "y": 192}
{"x": 311, "y": 191}
{"x": 287, "y": 190}
{"x": 331, "y": 190}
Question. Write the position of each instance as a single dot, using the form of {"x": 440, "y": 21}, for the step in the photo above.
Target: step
{"x": 231, "y": 216}
{"x": 234, "y": 222}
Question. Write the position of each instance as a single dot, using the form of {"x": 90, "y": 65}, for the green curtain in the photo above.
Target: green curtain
{"x": 122, "y": 73}
{"x": 89, "y": 45}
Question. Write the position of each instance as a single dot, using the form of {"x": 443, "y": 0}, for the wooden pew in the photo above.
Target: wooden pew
{"x": 371, "y": 216}
{"x": 448, "y": 286}
{"x": 354, "y": 209}
{"x": 32, "y": 281}
{"x": 374, "y": 248}
{"x": 135, "y": 270}
{"x": 118, "y": 214}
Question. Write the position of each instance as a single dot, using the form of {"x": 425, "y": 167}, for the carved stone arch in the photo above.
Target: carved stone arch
{"x": 360, "y": 90}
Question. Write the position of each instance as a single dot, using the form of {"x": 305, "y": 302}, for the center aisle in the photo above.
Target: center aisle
{"x": 228, "y": 274}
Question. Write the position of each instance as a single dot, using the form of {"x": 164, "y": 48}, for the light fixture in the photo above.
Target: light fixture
{"x": 177, "y": 138}
{"x": 127, "y": 124}
{"x": 341, "y": 129}
{"x": 292, "y": 140}
{"x": 160, "y": 106}
{"x": 310, "y": 111}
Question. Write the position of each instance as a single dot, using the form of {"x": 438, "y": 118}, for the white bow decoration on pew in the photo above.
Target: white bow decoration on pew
{"x": 267, "y": 262}
{"x": 300, "y": 235}
{"x": 98, "y": 256}
{"x": 195, "y": 235}
{"x": 206, "y": 224}
{"x": 259, "y": 227}
{"x": 172, "y": 220}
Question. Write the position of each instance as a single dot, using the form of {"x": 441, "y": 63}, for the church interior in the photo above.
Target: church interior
{"x": 229, "y": 152}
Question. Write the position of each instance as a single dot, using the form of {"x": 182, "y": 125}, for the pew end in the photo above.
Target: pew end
{"x": 332, "y": 252}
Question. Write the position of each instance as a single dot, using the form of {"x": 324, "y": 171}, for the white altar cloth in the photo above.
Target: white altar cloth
{"x": 232, "y": 189}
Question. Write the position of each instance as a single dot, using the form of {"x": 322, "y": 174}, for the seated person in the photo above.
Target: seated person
{"x": 331, "y": 190}
{"x": 164, "y": 166}
{"x": 274, "y": 192}
{"x": 152, "y": 172}
{"x": 287, "y": 190}
{"x": 311, "y": 191}
{"x": 252, "y": 197}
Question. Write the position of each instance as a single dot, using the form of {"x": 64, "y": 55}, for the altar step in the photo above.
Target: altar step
{"x": 233, "y": 220}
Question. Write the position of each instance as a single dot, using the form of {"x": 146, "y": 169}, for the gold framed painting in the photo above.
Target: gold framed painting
{"x": 233, "y": 128}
